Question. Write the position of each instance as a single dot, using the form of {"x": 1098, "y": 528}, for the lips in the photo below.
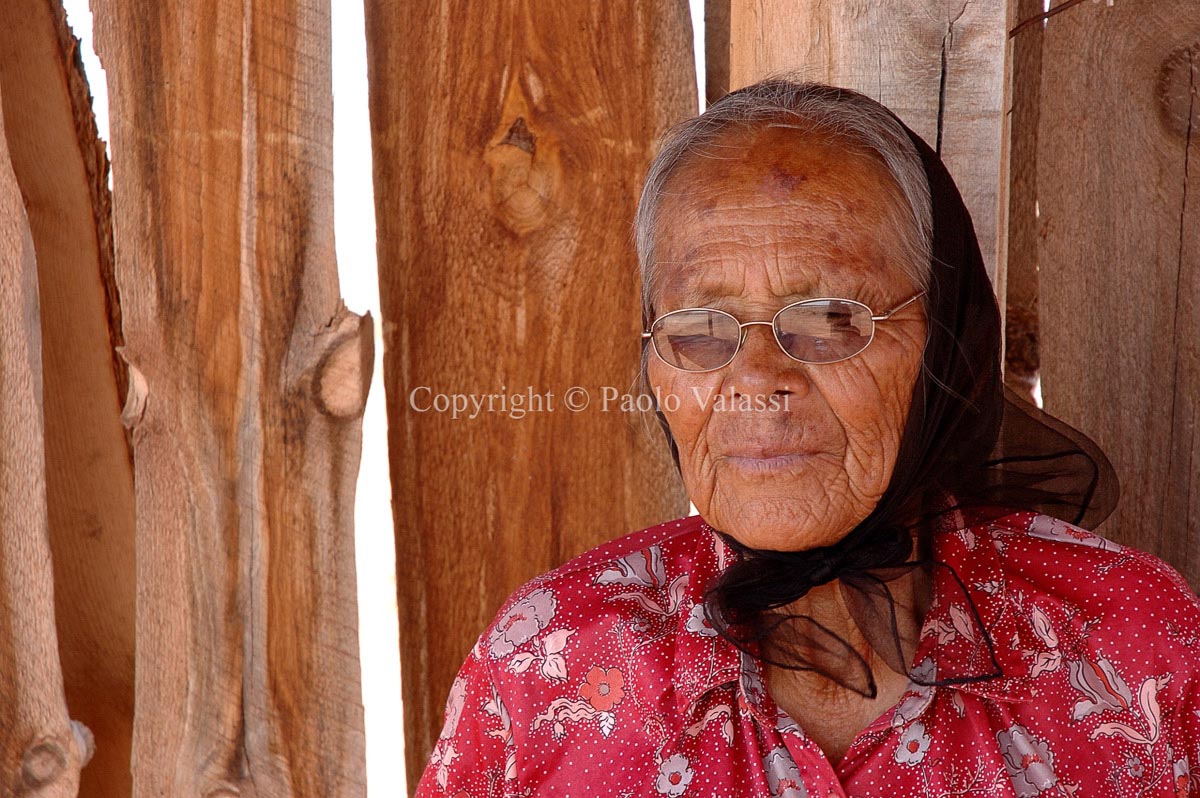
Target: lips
{"x": 764, "y": 458}
{"x": 768, "y": 443}
{"x": 765, "y": 451}
{"x": 765, "y": 445}
{"x": 769, "y": 464}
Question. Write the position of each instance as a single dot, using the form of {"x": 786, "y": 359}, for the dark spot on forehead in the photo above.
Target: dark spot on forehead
{"x": 707, "y": 207}
{"x": 780, "y": 182}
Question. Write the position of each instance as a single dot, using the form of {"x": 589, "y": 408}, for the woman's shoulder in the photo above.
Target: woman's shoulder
{"x": 577, "y": 596}
{"x": 675, "y": 538}
{"x": 1032, "y": 541}
{"x": 1120, "y": 590}
{"x": 551, "y": 658}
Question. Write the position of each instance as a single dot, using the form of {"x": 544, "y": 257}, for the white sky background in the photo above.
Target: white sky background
{"x": 354, "y": 230}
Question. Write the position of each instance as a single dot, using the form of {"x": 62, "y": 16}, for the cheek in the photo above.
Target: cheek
{"x": 674, "y": 391}
{"x": 688, "y": 418}
{"x": 871, "y": 400}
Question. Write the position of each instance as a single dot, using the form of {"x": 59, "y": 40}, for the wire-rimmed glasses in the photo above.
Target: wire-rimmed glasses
{"x": 816, "y": 331}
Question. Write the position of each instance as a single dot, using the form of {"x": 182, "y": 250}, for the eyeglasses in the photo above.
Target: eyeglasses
{"x": 816, "y": 331}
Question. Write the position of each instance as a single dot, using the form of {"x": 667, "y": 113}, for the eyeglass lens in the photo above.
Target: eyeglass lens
{"x": 815, "y": 331}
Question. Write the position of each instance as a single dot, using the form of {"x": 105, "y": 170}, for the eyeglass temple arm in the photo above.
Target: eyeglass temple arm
{"x": 888, "y": 313}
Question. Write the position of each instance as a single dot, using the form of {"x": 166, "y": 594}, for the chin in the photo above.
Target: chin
{"x": 785, "y": 524}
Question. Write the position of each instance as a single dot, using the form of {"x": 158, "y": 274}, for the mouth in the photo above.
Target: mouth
{"x": 768, "y": 463}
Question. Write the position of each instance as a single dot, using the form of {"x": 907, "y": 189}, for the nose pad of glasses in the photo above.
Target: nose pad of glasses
{"x": 763, "y": 366}
{"x": 768, "y": 344}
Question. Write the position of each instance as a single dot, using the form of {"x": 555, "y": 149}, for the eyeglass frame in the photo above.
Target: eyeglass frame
{"x": 885, "y": 316}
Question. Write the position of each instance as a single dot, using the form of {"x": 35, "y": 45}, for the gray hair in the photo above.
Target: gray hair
{"x": 822, "y": 109}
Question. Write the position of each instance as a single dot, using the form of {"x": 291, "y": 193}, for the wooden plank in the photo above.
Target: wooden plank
{"x": 1118, "y": 254}
{"x": 40, "y": 754}
{"x": 248, "y": 379}
{"x": 509, "y": 145}
{"x": 62, "y": 170}
{"x": 938, "y": 65}
{"x": 1021, "y": 273}
{"x": 716, "y": 50}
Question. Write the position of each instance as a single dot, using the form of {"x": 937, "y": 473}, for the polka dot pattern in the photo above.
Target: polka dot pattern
{"x": 603, "y": 677}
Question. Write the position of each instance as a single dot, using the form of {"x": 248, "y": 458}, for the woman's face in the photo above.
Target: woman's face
{"x": 777, "y": 453}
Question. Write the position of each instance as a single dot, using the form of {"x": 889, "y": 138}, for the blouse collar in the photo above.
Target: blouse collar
{"x": 953, "y": 641}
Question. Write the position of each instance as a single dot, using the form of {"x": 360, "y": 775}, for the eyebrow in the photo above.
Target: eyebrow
{"x": 695, "y": 294}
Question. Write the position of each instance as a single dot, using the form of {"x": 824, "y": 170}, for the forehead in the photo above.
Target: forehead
{"x": 788, "y": 210}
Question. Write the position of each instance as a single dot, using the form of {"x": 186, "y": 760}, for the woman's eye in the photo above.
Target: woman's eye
{"x": 697, "y": 344}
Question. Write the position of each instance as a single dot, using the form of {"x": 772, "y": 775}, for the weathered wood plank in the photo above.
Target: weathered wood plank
{"x": 509, "y": 144}
{"x": 62, "y": 170}
{"x": 40, "y": 754}
{"x": 938, "y": 65}
{"x": 1118, "y": 254}
{"x": 716, "y": 50}
{"x": 1021, "y": 274}
{"x": 248, "y": 379}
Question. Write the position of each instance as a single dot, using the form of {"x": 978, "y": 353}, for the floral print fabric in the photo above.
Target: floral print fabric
{"x": 604, "y": 677}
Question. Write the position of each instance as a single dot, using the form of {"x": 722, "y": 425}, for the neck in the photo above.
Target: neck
{"x": 826, "y": 605}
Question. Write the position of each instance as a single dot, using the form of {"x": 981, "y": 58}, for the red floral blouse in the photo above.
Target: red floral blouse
{"x": 604, "y": 677}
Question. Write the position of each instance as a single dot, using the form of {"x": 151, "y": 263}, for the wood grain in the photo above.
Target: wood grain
{"x": 1021, "y": 295}
{"x": 510, "y": 141}
{"x": 40, "y": 753}
{"x": 247, "y": 382}
{"x": 716, "y": 50}
{"x": 62, "y": 170}
{"x": 1118, "y": 254}
{"x": 938, "y": 65}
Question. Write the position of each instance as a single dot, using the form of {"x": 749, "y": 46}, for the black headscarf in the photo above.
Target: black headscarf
{"x": 969, "y": 442}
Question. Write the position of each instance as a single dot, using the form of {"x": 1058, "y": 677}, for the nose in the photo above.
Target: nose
{"x": 762, "y": 368}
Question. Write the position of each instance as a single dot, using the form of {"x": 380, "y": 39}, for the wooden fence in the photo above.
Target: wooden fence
{"x": 181, "y": 387}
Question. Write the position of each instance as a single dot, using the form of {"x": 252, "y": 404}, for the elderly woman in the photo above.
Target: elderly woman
{"x": 876, "y": 598}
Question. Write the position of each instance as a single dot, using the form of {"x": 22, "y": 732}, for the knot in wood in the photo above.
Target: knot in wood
{"x": 136, "y": 393}
{"x": 524, "y": 175}
{"x": 343, "y": 377}
{"x": 223, "y": 792}
{"x": 1178, "y": 89}
{"x": 44, "y": 761}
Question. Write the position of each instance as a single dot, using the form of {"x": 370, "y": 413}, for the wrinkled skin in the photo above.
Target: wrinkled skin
{"x": 778, "y": 216}
{"x": 782, "y": 216}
